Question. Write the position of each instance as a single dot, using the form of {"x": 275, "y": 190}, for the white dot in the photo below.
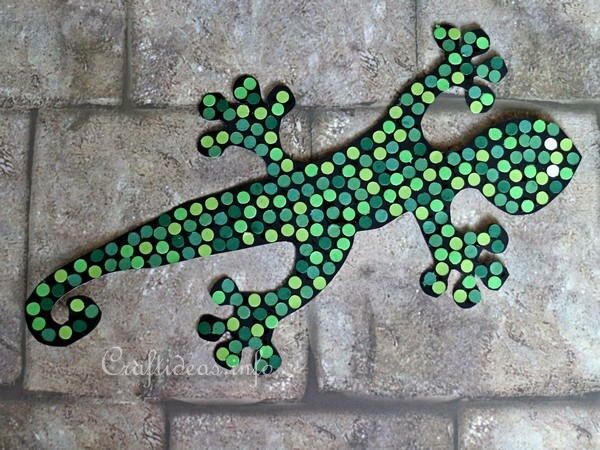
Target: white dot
{"x": 551, "y": 144}
{"x": 552, "y": 170}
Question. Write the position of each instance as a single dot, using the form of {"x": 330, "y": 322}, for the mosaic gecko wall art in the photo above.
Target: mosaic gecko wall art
{"x": 519, "y": 165}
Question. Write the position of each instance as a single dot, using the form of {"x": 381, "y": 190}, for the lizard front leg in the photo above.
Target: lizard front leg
{"x": 253, "y": 123}
{"x": 453, "y": 249}
{"x": 257, "y": 314}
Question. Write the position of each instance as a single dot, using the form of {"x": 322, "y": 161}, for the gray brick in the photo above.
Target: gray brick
{"x": 542, "y": 427}
{"x": 379, "y": 334}
{"x": 312, "y": 430}
{"x": 57, "y": 52}
{"x": 14, "y": 196}
{"x": 97, "y": 174}
{"x": 550, "y": 48}
{"x": 328, "y": 52}
{"x": 57, "y": 424}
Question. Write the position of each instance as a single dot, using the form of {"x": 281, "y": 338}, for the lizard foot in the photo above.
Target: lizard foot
{"x": 462, "y": 252}
{"x": 251, "y": 325}
{"x": 253, "y": 123}
{"x": 460, "y": 47}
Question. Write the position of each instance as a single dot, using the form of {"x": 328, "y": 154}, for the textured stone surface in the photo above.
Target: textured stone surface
{"x": 56, "y": 52}
{"x": 554, "y": 426}
{"x": 312, "y": 430}
{"x": 550, "y": 48}
{"x": 52, "y": 424}
{"x": 14, "y": 195}
{"x": 97, "y": 174}
{"x": 379, "y": 334}
{"x": 328, "y": 52}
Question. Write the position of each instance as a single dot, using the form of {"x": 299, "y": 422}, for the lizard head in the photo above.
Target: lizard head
{"x": 529, "y": 162}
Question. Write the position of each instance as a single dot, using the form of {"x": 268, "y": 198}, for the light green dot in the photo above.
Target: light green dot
{"x": 60, "y": 275}
{"x": 222, "y": 354}
{"x": 95, "y": 271}
{"x": 282, "y": 96}
{"x": 395, "y": 112}
{"x": 295, "y": 302}
{"x": 454, "y": 33}
{"x": 174, "y": 228}
{"x": 77, "y": 305}
{"x": 65, "y": 332}
{"x": 476, "y": 107}
{"x": 233, "y": 324}
{"x": 211, "y": 203}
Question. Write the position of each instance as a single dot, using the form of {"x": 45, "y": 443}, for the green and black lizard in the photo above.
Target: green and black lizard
{"x": 319, "y": 206}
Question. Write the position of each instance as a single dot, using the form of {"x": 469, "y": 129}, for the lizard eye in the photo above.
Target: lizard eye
{"x": 550, "y": 144}
{"x": 552, "y": 171}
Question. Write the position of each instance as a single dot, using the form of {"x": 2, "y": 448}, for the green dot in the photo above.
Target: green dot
{"x": 271, "y": 322}
{"x": 232, "y": 360}
{"x": 126, "y": 251}
{"x": 266, "y": 351}
{"x": 42, "y": 289}
{"x": 482, "y": 42}
{"x": 80, "y": 265}
{"x": 173, "y": 256}
{"x": 137, "y": 262}
{"x": 494, "y": 282}
{"x": 91, "y": 311}
{"x": 49, "y": 335}
{"x": 79, "y": 326}
{"x": 33, "y": 309}
{"x": 38, "y": 323}
{"x": 527, "y": 206}
{"x": 439, "y": 32}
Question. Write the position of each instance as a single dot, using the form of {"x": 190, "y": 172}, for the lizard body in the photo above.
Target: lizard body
{"x": 319, "y": 206}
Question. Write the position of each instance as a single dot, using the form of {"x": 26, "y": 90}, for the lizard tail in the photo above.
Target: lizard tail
{"x": 195, "y": 229}
{"x": 84, "y": 314}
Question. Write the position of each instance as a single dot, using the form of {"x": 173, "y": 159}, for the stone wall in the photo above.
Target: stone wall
{"x": 97, "y": 134}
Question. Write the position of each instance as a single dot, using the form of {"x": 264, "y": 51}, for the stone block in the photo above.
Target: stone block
{"x": 59, "y": 424}
{"x": 57, "y": 53}
{"x": 329, "y": 53}
{"x": 312, "y": 430}
{"x": 554, "y": 426}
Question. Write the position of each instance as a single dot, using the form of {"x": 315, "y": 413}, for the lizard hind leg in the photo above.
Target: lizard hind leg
{"x": 256, "y": 315}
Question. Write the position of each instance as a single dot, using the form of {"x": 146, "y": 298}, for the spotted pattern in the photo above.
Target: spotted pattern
{"x": 519, "y": 166}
